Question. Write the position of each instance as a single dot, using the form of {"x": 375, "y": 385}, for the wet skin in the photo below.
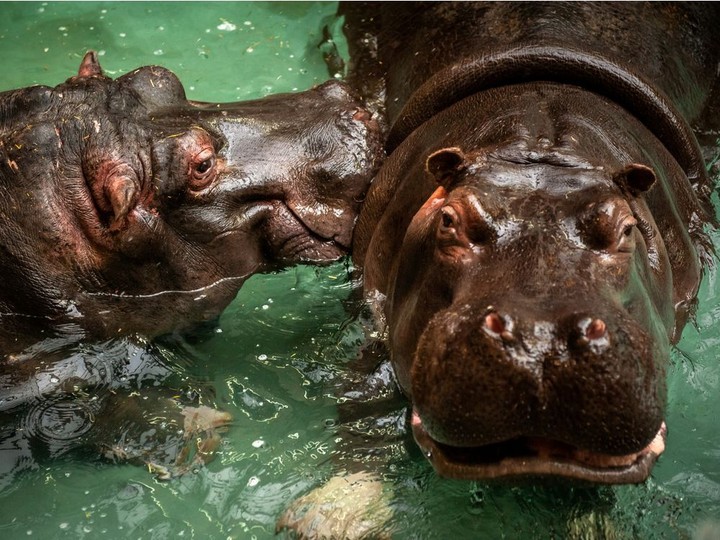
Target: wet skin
{"x": 127, "y": 209}
{"x": 535, "y": 240}
{"x": 128, "y": 212}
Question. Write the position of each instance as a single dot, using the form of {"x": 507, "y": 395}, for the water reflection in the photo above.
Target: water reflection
{"x": 121, "y": 398}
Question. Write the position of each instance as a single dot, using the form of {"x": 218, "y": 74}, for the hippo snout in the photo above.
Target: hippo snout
{"x": 588, "y": 379}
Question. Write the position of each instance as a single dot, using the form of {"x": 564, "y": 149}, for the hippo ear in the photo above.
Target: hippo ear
{"x": 114, "y": 185}
{"x": 635, "y": 179}
{"x": 121, "y": 192}
{"x": 90, "y": 66}
{"x": 444, "y": 164}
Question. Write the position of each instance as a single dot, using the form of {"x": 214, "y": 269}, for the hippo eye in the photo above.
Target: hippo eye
{"x": 626, "y": 243}
{"x": 202, "y": 170}
{"x": 204, "y": 167}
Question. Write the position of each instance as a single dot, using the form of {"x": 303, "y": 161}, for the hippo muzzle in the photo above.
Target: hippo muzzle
{"x": 496, "y": 394}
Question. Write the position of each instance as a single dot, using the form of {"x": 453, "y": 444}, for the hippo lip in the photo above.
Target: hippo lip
{"x": 531, "y": 456}
{"x": 299, "y": 242}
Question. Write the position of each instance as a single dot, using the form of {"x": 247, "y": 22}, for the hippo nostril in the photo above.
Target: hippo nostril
{"x": 494, "y": 323}
{"x": 588, "y": 331}
{"x": 361, "y": 115}
{"x": 596, "y": 329}
{"x": 497, "y": 325}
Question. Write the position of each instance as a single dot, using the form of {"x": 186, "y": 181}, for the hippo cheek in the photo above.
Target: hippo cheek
{"x": 488, "y": 406}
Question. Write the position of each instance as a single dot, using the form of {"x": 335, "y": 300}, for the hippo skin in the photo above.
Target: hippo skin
{"x": 128, "y": 212}
{"x": 127, "y": 209}
{"x": 535, "y": 240}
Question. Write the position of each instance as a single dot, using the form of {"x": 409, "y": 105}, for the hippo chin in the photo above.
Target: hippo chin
{"x": 535, "y": 239}
{"x": 127, "y": 209}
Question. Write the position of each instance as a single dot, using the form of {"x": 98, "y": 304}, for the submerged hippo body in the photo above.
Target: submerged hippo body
{"x": 535, "y": 239}
{"x": 127, "y": 209}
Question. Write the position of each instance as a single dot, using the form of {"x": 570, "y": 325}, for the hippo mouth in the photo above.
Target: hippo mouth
{"x": 292, "y": 238}
{"x": 534, "y": 456}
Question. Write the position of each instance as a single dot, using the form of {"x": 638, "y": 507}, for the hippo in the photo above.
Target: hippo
{"x": 127, "y": 213}
{"x": 534, "y": 242}
{"x": 128, "y": 209}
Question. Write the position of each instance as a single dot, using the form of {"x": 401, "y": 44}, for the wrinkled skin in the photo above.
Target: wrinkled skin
{"x": 127, "y": 209}
{"x": 127, "y": 212}
{"x": 535, "y": 240}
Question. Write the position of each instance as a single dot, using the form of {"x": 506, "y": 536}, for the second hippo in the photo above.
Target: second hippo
{"x": 127, "y": 209}
{"x": 128, "y": 212}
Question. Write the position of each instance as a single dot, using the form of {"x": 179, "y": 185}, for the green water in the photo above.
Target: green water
{"x": 288, "y": 336}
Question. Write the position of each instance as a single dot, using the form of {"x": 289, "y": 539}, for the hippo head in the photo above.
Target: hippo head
{"x": 523, "y": 303}
{"x": 127, "y": 208}
{"x": 535, "y": 251}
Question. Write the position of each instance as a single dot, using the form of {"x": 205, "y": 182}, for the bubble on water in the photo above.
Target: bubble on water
{"x": 62, "y": 28}
{"x": 122, "y": 34}
{"x": 259, "y": 443}
{"x": 158, "y": 52}
{"x": 265, "y": 306}
{"x": 249, "y": 50}
{"x": 226, "y": 26}
{"x": 253, "y": 481}
{"x": 262, "y": 357}
{"x": 247, "y": 23}
{"x": 64, "y": 525}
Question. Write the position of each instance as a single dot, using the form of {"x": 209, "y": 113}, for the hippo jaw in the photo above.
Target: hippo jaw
{"x": 536, "y": 456}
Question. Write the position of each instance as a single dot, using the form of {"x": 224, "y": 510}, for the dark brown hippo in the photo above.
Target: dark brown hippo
{"x": 127, "y": 209}
{"x": 535, "y": 240}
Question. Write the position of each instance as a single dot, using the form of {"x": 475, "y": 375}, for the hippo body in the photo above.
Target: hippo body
{"x": 128, "y": 212}
{"x": 126, "y": 209}
{"x": 535, "y": 240}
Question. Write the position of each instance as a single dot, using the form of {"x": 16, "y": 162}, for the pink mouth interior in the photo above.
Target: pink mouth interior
{"x": 534, "y": 456}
